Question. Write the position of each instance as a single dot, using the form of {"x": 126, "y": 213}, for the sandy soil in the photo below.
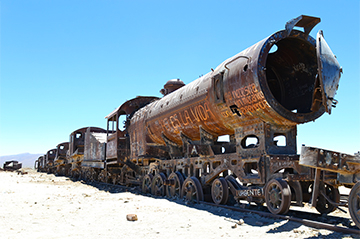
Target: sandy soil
{"x": 43, "y": 206}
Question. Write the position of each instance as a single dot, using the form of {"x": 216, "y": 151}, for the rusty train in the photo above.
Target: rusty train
{"x": 228, "y": 136}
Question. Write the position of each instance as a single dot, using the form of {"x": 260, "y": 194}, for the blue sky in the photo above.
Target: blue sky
{"x": 67, "y": 64}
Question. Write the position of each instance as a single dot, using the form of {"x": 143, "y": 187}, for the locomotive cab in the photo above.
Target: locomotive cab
{"x": 118, "y": 136}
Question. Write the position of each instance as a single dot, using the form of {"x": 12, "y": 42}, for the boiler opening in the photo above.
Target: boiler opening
{"x": 291, "y": 69}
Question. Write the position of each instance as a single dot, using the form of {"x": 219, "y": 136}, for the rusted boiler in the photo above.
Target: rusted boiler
{"x": 260, "y": 92}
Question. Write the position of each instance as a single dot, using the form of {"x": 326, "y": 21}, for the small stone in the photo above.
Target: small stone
{"x": 131, "y": 217}
{"x": 240, "y": 222}
{"x": 235, "y": 226}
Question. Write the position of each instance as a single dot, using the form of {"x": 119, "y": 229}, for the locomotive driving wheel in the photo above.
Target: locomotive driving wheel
{"x": 220, "y": 191}
{"x": 157, "y": 185}
{"x": 146, "y": 183}
{"x": 277, "y": 196}
{"x": 176, "y": 180}
{"x": 354, "y": 204}
{"x": 192, "y": 190}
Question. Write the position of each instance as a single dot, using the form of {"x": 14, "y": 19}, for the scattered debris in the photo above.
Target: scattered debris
{"x": 131, "y": 217}
{"x": 12, "y": 165}
{"x": 22, "y": 172}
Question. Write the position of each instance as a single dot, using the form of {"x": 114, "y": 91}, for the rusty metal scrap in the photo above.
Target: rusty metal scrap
{"x": 12, "y": 165}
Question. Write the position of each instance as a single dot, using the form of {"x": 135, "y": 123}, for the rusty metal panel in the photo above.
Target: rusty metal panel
{"x": 77, "y": 140}
{"x": 329, "y": 72}
{"x": 93, "y": 164}
{"x": 329, "y": 160}
{"x": 137, "y": 134}
{"x": 95, "y": 145}
{"x": 111, "y": 149}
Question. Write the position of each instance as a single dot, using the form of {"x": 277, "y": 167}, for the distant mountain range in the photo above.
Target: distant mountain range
{"x": 27, "y": 159}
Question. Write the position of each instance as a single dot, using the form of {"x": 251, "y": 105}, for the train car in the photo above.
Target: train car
{"x": 76, "y": 151}
{"x": 60, "y": 161}
{"x": 49, "y": 161}
{"x": 40, "y": 164}
{"x": 94, "y": 153}
{"x": 334, "y": 169}
{"x": 12, "y": 165}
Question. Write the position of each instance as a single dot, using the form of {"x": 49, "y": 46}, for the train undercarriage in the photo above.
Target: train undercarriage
{"x": 279, "y": 181}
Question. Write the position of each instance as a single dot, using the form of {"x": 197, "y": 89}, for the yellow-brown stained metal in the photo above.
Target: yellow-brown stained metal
{"x": 254, "y": 85}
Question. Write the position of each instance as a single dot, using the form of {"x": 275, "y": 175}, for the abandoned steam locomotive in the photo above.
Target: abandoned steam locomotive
{"x": 173, "y": 146}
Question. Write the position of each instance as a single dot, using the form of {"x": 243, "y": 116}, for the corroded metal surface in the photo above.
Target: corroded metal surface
{"x": 174, "y": 145}
{"x": 94, "y": 148}
{"x": 49, "y": 159}
{"x": 257, "y": 85}
{"x": 329, "y": 160}
{"x": 117, "y": 139}
{"x": 61, "y": 151}
{"x": 77, "y": 141}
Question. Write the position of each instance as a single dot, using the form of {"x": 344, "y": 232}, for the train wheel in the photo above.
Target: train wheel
{"x": 220, "y": 191}
{"x": 354, "y": 204}
{"x": 67, "y": 171}
{"x": 76, "y": 174}
{"x": 277, "y": 196}
{"x": 322, "y": 205}
{"x": 93, "y": 175}
{"x": 86, "y": 175}
{"x": 103, "y": 176}
{"x": 192, "y": 190}
{"x": 146, "y": 183}
{"x": 157, "y": 185}
{"x": 62, "y": 171}
{"x": 114, "y": 178}
{"x": 174, "y": 190}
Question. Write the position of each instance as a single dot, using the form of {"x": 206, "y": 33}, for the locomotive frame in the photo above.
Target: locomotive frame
{"x": 171, "y": 146}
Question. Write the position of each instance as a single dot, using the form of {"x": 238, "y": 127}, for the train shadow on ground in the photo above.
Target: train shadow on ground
{"x": 237, "y": 219}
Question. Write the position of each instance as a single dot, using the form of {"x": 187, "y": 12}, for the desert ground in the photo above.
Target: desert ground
{"x": 42, "y": 206}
